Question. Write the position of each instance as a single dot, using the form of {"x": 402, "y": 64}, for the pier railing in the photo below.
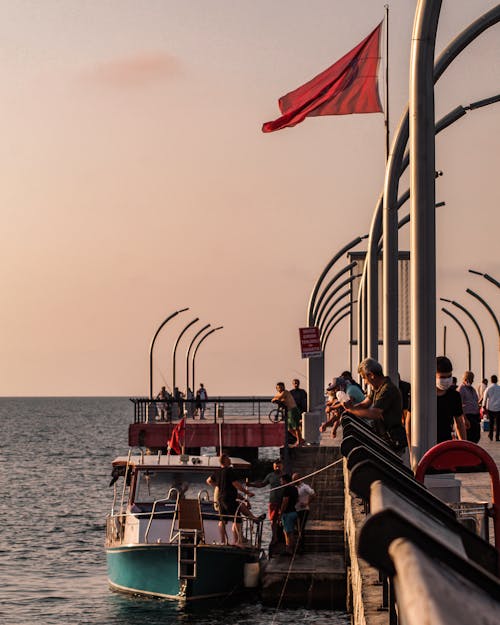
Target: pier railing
{"x": 216, "y": 409}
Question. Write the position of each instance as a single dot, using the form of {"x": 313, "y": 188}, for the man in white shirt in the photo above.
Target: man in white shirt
{"x": 491, "y": 403}
{"x": 306, "y": 493}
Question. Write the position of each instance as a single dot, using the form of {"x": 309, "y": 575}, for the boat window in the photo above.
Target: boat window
{"x": 152, "y": 485}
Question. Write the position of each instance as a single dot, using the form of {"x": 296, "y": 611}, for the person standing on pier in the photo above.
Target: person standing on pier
{"x": 383, "y": 405}
{"x": 299, "y": 395}
{"x": 306, "y": 493}
{"x": 293, "y": 415}
{"x": 470, "y": 407}
{"x": 201, "y": 401}
{"x": 288, "y": 512}
{"x": 491, "y": 402}
{"x": 275, "y": 497}
{"x": 449, "y": 403}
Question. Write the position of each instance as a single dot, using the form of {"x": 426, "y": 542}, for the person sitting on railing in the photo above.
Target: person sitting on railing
{"x": 293, "y": 415}
{"x": 229, "y": 506}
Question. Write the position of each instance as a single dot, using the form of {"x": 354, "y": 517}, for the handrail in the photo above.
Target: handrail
{"x": 154, "y": 508}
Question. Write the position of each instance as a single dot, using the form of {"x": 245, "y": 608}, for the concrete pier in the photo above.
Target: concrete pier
{"x": 317, "y": 577}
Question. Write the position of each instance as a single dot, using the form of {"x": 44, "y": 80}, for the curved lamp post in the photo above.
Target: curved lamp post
{"x": 481, "y": 338}
{"x": 327, "y": 336}
{"x": 321, "y": 312}
{"x": 175, "y": 350}
{"x": 485, "y": 275}
{"x": 448, "y": 55}
{"x": 460, "y": 325}
{"x": 151, "y": 349}
{"x": 332, "y": 320}
{"x": 197, "y": 348}
{"x": 188, "y": 351}
{"x": 488, "y": 308}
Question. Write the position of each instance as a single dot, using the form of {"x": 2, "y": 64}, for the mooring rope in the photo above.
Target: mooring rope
{"x": 304, "y": 477}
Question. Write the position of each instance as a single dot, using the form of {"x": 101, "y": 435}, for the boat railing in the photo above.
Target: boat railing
{"x": 246, "y": 407}
{"x": 153, "y": 509}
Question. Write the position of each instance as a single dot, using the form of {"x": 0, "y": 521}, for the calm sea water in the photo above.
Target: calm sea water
{"x": 55, "y": 459}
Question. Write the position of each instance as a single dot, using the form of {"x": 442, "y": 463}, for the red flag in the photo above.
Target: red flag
{"x": 174, "y": 443}
{"x": 349, "y": 86}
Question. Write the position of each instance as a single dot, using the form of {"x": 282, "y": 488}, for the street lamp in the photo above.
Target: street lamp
{"x": 197, "y": 348}
{"x": 485, "y": 275}
{"x": 151, "y": 349}
{"x": 460, "y": 325}
{"x": 488, "y": 308}
{"x": 175, "y": 350}
{"x": 481, "y": 338}
{"x": 321, "y": 312}
{"x": 334, "y": 317}
{"x": 188, "y": 351}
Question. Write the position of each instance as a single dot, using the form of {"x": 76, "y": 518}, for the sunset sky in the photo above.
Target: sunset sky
{"x": 136, "y": 181}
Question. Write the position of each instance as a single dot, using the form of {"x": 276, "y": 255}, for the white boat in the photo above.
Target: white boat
{"x": 163, "y": 537}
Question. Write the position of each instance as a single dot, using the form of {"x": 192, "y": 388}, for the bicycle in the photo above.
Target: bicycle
{"x": 277, "y": 414}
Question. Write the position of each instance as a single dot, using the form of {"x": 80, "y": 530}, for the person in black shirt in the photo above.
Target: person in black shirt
{"x": 300, "y": 396}
{"x": 449, "y": 403}
{"x": 288, "y": 512}
{"x": 228, "y": 499}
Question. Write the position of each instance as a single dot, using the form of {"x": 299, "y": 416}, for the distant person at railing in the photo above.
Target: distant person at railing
{"x": 190, "y": 403}
{"x": 293, "y": 415}
{"x": 161, "y": 405}
{"x": 299, "y": 395}
{"x": 178, "y": 404}
{"x": 201, "y": 401}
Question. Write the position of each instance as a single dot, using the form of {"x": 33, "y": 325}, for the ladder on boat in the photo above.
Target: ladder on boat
{"x": 189, "y": 535}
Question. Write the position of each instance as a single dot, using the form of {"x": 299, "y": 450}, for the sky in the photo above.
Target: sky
{"x": 137, "y": 181}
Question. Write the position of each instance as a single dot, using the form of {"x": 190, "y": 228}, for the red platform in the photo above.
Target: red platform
{"x": 156, "y": 435}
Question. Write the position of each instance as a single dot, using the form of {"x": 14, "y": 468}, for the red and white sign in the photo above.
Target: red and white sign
{"x": 310, "y": 342}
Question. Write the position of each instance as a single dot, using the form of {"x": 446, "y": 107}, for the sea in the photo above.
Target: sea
{"x": 55, "y": 469}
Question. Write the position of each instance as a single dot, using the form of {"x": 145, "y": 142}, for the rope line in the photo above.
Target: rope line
{"x": 328, "y": 466}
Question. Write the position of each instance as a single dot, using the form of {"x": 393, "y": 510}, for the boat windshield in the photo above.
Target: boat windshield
{"x": 153, "y": 485}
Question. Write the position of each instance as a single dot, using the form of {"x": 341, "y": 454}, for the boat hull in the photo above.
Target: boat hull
{"x": 152, "y": 570}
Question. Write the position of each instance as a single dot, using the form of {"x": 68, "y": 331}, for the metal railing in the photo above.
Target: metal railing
{"x": 165, "y": 410}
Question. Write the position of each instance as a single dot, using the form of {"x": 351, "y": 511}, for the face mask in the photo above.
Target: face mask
{"x": 443, "y": 384}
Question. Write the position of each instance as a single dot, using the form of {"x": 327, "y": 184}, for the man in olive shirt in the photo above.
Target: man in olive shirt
{"x": 383, "y": 405}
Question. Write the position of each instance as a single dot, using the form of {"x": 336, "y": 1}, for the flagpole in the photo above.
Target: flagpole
{"x": 386, "y": 107}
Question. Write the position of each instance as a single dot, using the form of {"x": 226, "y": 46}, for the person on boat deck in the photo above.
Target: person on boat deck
{"x": 229, "y": 506}
{"x": 293, "y": 415}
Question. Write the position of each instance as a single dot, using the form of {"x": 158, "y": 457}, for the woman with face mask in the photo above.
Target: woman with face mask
{"x": 449, "y": 403}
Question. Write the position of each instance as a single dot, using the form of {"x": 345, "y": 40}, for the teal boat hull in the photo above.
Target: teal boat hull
{"x": 152, "y": 570}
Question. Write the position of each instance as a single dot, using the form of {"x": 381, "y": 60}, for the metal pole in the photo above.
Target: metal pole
{"x": 198, "y": 347}
{"x": 423, "y": 230}
{"x": 488, "y": 19}
{"x": 151, "y": 349}
{"x": 444, "y": 340}
{"x": 467, "y": 340}
{"x": 175, "y": 350}
{"x": 188, "y": 352}
{"x": 481, "y": 338}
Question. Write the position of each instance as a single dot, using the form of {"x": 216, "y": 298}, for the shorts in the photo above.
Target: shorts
{"x": 274, "y": 512}
{"x": 289, "y": 520}
{"x": 228, "y": 509}
{"x": 294, "y": 418}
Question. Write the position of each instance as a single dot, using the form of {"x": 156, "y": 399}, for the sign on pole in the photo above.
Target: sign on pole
{"x": 310, "y": 343}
